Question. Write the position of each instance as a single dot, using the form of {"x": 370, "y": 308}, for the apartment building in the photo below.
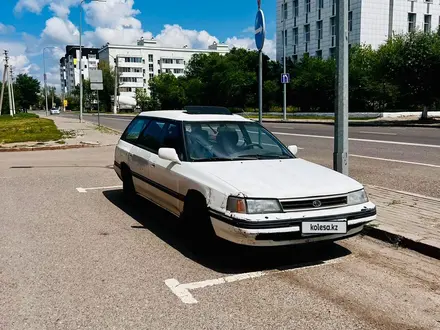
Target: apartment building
{"x": 137, "y": 64}
{"x": 69, "y": 66}
{"x": 309, "y": 26}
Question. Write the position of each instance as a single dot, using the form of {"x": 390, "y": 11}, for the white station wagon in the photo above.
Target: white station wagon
{"x": 228, "y": 176}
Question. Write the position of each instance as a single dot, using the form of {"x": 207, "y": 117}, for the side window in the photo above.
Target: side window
{"x": 135, "y": 128}
{"x": 151, "y": 138}
{"x": 172, "y": 138}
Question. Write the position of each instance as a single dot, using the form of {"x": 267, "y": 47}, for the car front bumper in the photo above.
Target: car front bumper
{"x": 286, "y": 230}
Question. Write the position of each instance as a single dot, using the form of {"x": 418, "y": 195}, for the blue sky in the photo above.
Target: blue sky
{"x": 27, "y": 26}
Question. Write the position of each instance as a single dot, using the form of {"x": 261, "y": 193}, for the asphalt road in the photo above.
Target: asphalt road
{"x": 70, "y": 259}
{"x": 406, "y": 159}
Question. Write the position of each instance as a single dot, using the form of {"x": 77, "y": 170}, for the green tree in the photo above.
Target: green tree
{"x": 168, "y": 91}
{"x": 5, "y": 106}
{"x": 313, "y": 84}
{"x": 412, "y": 63}
{"x": 26, "y": 91}
{"x": 108, "y": 76}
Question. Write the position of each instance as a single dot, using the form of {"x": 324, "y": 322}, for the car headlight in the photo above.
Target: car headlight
{"x": 357, "y": 197}
{"x": 253, "y": 206}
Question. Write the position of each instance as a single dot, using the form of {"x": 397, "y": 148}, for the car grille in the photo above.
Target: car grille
{"x": 313, "y": 204}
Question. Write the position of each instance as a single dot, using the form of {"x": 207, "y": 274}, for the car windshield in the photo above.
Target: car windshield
{"x": 222, "y": 141}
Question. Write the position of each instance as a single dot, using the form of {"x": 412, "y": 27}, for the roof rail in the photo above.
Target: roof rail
{"x": 206, "y": 110}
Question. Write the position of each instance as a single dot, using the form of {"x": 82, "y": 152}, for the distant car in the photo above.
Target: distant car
{"x": 228, "y": 176}
{"x": 54, "y": 111}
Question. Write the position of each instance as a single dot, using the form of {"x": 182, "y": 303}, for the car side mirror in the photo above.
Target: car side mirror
{"x": 293, "y": 149}
{"x": 169, "y": 154}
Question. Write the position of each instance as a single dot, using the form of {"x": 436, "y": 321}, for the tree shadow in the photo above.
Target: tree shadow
{"x": 222, "y": 256}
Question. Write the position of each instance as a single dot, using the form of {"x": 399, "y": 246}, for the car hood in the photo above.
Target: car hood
{"x": 287, "y": 178}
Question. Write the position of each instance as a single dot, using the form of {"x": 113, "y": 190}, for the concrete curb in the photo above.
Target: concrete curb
{"x": 61, "y": 147}
{"x": 359, "y": 124}
{"x": 388, "y": 237}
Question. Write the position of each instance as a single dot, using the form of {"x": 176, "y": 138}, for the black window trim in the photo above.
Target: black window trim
{"x": 178, "y": 123}
{"x": 269, "y": 133}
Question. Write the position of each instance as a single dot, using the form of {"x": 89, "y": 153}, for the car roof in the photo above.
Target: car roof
{"x": 182, "y": 115}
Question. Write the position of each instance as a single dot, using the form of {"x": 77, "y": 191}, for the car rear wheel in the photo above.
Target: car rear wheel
{"x": 127, "y": 183}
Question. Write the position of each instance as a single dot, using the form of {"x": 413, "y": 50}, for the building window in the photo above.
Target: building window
{"x": 332, "y": 52}
{"x": 349, "y": 5}
{"x": 178, "y": 71}
{"x": 284, "y": 9}
{"x": 334, "y": 8}
{"x": 308, "y": 7}
{"x": 285, "y": 37}
{"x": 158, "y": 71}
{"x": 333, "y": 25}
{"x": 319, "y": 53}
{"x": 151, "y": 68}
{"x": 350, "y": 21}
{"x": 427, "y": 25}
{"x": 411, "y": 22}
{"x": 295, "y": 8}
{"x": 295, "y": 36}
{"x": 145, "y": 81}
{"x": 150, "y": 58}
{"x": 179, "y": 61}
{"x": 307, "y": 32}
{"x": 320, "y": 4}
{"x": 319, "y": 29}
{"x": 151, "y": 76}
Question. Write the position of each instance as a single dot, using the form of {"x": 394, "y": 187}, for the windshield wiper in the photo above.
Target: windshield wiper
{"x": 264, "y": 157}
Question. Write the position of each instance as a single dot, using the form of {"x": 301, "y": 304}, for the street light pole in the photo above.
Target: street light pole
{"x": 340, "y": 154}
{"x": 45, "y": 80}
{"x": 284, "y": 63}
{"x": 80, "y": 65}
{"x": 115, "y": 109}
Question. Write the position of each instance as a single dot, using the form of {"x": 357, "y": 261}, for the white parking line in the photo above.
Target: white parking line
{"x": 84, "y": 190}
{"x": 396, "y": 161}
{"x": 182, "y": 291}
{"x": 378, "y": 133}
{"x": 363, "y": 140}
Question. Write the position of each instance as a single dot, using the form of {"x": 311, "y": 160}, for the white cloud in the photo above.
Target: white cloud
{"x": 6, "y": 29}
{"x": 248, "y": 43}
{"x": 176, "y": 36}
{"x": 249, "y": 29}
{"x": 34, "y": 6}
{"x": 60, "y": 31}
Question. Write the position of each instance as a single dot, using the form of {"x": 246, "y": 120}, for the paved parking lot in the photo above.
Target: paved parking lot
{"x": 75, "y": 254}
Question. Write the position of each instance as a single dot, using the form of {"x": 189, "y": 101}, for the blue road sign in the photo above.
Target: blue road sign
{"x": 285, "y": 78}
{"x": 260, "y": 30}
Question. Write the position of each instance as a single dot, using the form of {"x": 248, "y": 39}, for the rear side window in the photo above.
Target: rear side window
{"x": 134, "y": 129}
{"x": 151, "y": 138}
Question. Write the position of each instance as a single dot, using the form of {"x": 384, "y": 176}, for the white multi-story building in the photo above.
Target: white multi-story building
{"x": 69, "y": 66}
{"x": 309, "y": 26}
{"x": 137, "y": 64}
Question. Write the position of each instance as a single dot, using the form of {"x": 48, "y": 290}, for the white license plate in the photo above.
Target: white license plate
{"x": 324, "y": 227}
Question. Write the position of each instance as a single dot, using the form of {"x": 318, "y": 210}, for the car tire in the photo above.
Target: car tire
{"x": 196, "y": 221}
{"x": 127, "y": 184}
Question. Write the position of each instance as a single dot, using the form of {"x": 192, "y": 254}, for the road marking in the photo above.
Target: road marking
{"x": 404, "y": 192}
{"x": 378, "y": 133}
{"x": 363, "y": 140}
{"x": 182, "y": 291}
{"x": 84, "y": 190}
{"x": 396, "y": 161}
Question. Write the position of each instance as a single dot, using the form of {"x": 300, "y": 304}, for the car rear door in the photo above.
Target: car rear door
{"x": 126, "y": 150}
{"x": 165, "y": 173}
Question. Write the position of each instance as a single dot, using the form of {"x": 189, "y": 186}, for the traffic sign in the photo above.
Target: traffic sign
{"x": 65, "y": 103}
{"x": 285, "y": 78}
{"x": 260, "y": 30}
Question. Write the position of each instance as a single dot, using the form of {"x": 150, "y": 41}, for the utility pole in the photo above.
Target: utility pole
{"x": 340, "y": 154}
{"x": 12, "y": 90}
{"x": 11, "y": 109}
{"x": 115, "y": 109}
{"x": 5, "y": 71}
{"x": 284, "y": 13}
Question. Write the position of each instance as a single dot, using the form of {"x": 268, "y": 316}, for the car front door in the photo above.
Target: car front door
{"x": 166, "y": 174}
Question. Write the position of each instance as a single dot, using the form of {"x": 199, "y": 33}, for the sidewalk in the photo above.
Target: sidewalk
{"x": 76, "y": 135}
{"x": 406, "y": 219}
